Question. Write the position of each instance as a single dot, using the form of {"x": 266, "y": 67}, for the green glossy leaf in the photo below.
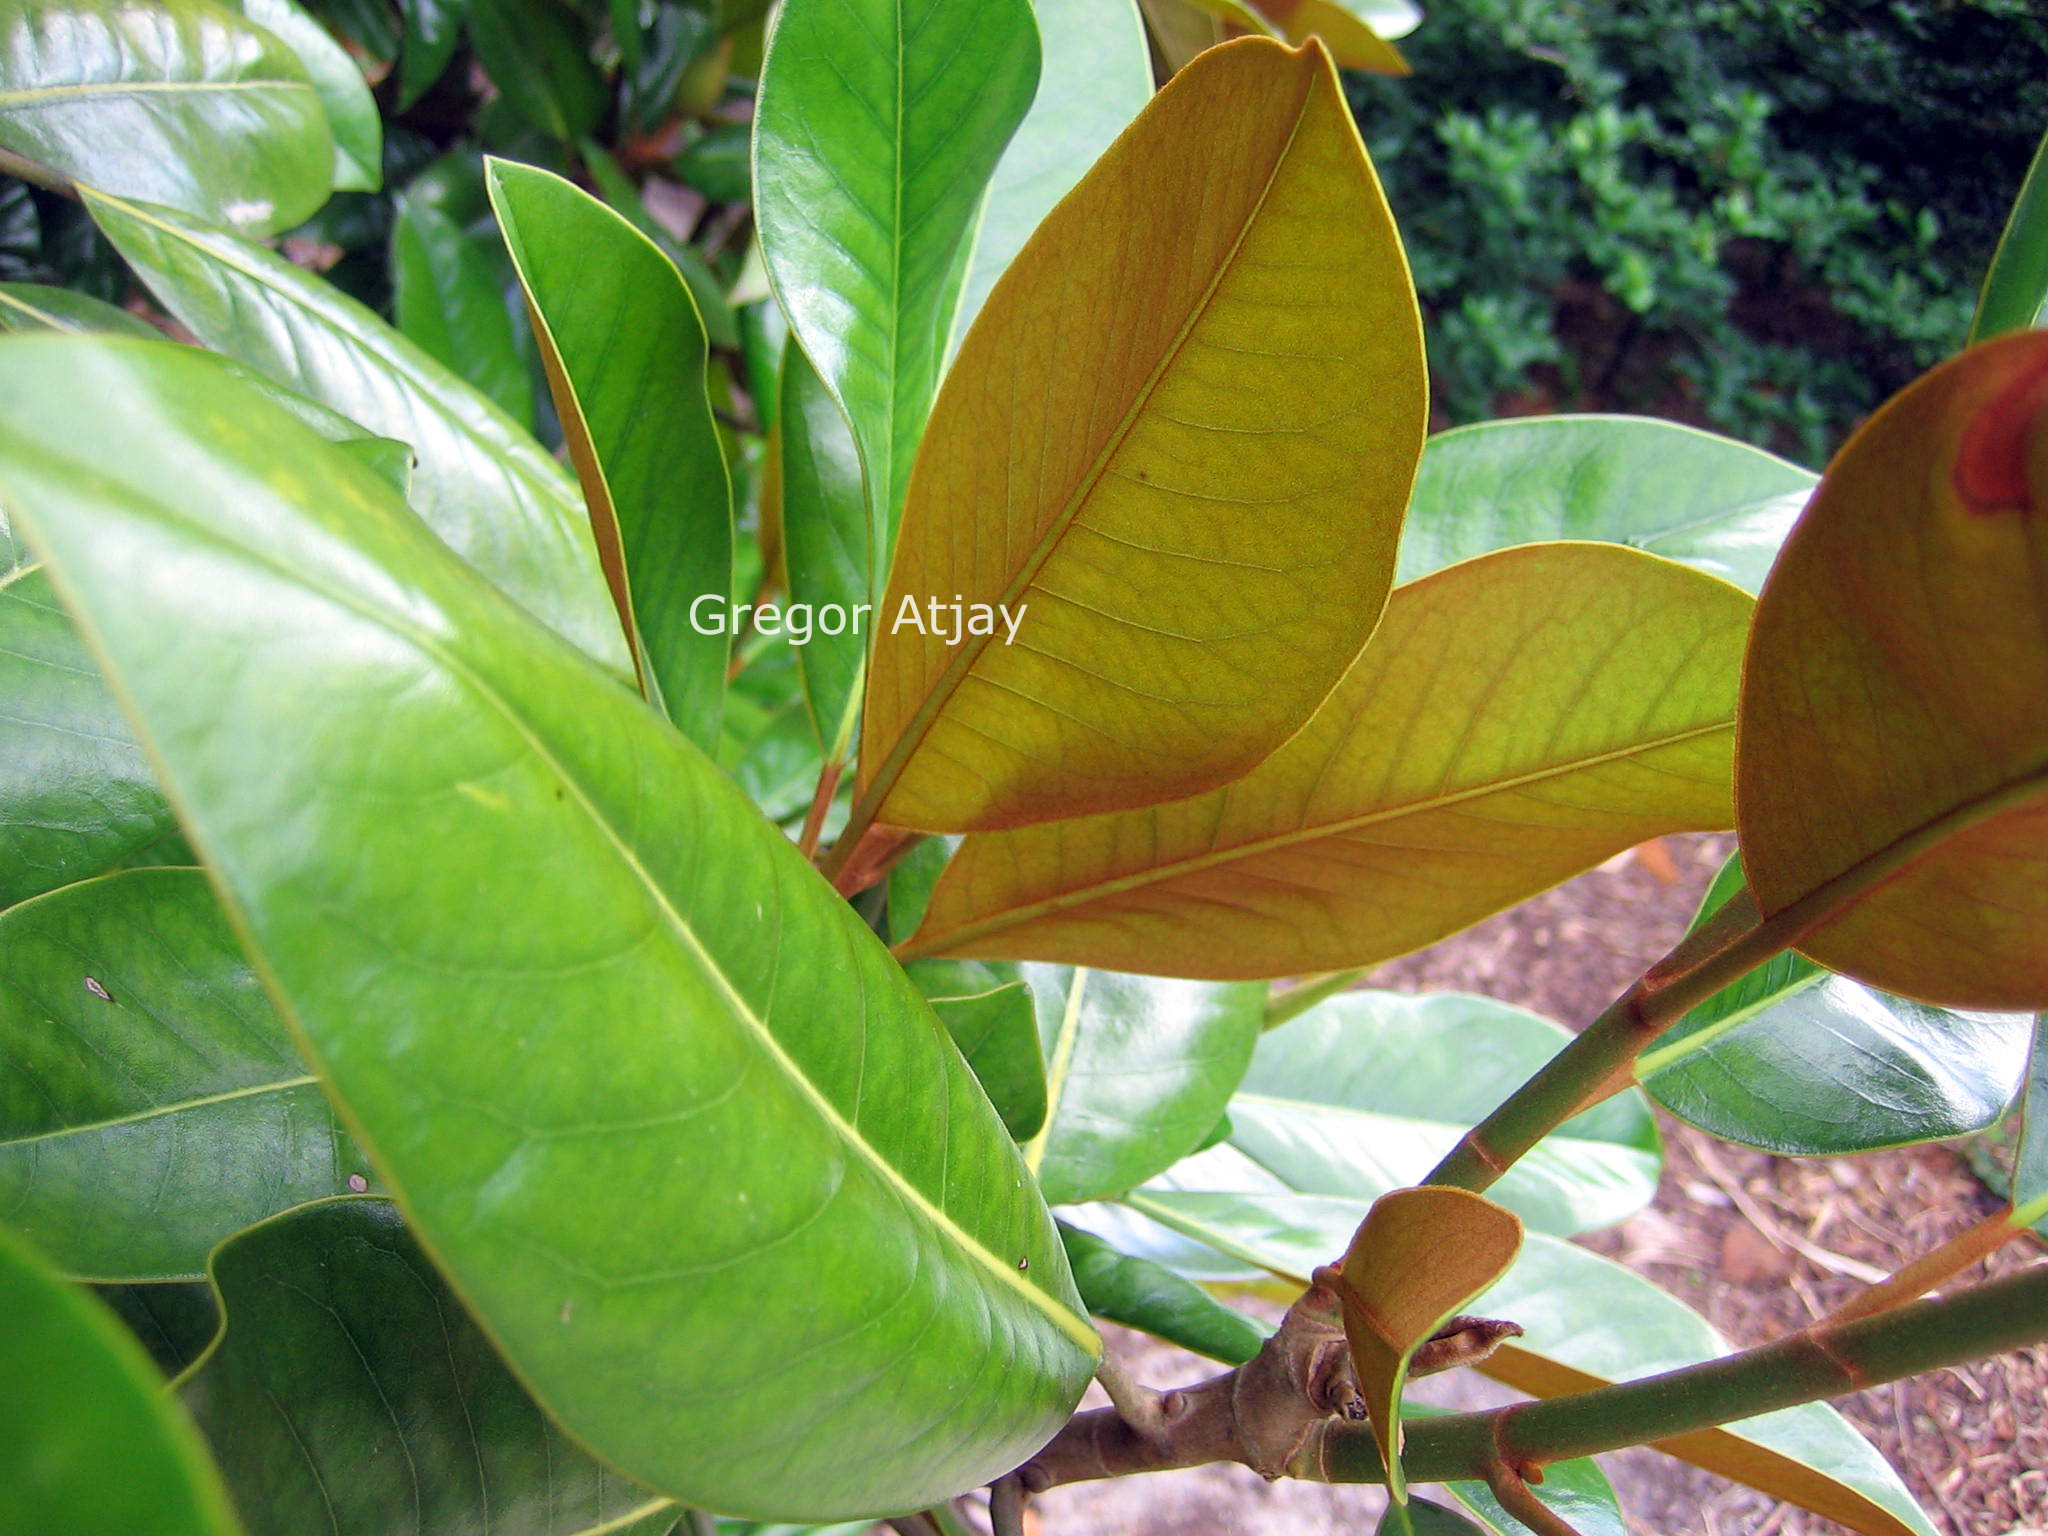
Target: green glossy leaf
{"x": 618, "y": 189}
{"x": 180, "y": 102}
{"x": 389, "y": 459}
{"x": 492, "y": 493}
{"x": 2030, "y": 1165}
{"x": 1420, "y": 1517}
{"x": 33, "y": 307}
{"x": 1364, "y": 1093}
{"x": 826, "y": 550}
{"x": 988, "y": 1011}
{"x": 2015, "y": 294}
{"x": 767, "y": 745}
{"x": 670, "y": 46}
{"x": 76, "y": 794}
{"x": 1096, "y": 75}
{"x": 639, "y": 1076}
{"x": 720, "y": 163}
{"x": 1795, "y": 1059}
{"x": 536, "y": 54}
{"x": 911, "y": 882}
{"x": 349, "y": 1392}
{"x": 1141, "y": 1294}
{"x": 151, "y": 1102}
{"x": 1586, "y": 1321}
{"x": 1271, "y": 1230}
{"x": 764, "y": 341}
{"x": 351, "y": 109}
{"x": 627, "y": 360}
{"x": 432, "y": 29}
{"x": 372, "y": 25}
{"x": 174, "y": 1321}
{"x": 449, "y": 300}
{"x": 92, "y": 1444}
{"x": 1705, "y": 501}
{"x": 1137, "y": 1071}
{"x": 879, "y": 124}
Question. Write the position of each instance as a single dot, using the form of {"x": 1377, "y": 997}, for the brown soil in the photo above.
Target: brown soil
{"x": 1760, "y": 1244}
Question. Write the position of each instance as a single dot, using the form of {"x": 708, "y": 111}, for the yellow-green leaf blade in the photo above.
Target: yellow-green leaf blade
{"x": 637, "y": 1076}
{"x": 1517, "y": 719}
{"x": 1179, "y": 438}
{"x": 1894, "y": 755}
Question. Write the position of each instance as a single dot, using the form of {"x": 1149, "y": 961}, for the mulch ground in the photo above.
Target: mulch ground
{"x": 1761, "y": 1245}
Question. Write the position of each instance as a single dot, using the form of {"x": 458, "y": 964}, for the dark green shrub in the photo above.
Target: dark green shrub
{"x": 1764, "y": 215}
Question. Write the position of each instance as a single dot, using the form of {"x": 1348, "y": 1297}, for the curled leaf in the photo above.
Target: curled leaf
{"x": 1893, "y": 755}
{"x": 1419, "y": 1256}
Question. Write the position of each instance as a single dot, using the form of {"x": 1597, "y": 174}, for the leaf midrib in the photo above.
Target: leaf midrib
{"x": 95, "y": 89}
{"x": 1061, "y": 901}
{"x": 973, "y": 647}
{"x": 159, "y": 1112}
{"x": 892, "y": 1177}
{"x": 1674, "y": 1052}
{"x": 1060, "y": 1069}
{"x": 41, "y": 316}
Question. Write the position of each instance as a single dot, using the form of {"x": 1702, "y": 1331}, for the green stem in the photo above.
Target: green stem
{"x": 1006, "y": 1507}
{"x": 1298, "y": 999}
{"x": 1732, "y": 943}
{"x": 32, "y": 170}
{"x": 2005, "y": 1314}
{"x": 1735, "y": 941}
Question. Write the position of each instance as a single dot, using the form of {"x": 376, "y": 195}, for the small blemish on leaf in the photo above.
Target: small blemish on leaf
{"x": 1991, "y": 462}
{"x": 568, "y": 1311}
{"x": 358, "y": 1183}
{"x": 93, "y": 986}
{"x": 1023, "y": 1263}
